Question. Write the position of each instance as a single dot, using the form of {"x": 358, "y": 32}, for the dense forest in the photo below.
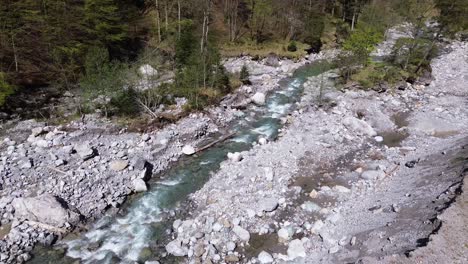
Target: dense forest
{"x": 96, "y": 46}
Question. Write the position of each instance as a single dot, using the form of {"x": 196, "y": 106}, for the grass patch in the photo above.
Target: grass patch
{"x": 264, "y": 49}
{"x": 378, "y": 73}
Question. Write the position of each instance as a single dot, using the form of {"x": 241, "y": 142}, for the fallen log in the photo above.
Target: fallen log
{"x": 215, "y": 142}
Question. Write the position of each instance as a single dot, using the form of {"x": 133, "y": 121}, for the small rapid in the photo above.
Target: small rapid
{"x": 132, "y": 235}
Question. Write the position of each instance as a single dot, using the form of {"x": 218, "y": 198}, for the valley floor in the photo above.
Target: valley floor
{"x": 365, "y": 178}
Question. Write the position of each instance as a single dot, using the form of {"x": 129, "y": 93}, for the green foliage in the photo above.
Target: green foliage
{"x": 314, "y": 26}
{"x": 185, "y": 46}
{"x": 261, "y": 11}
{"x": 244, "y": 75}
{"x": 200, "y": 77}
{"x": 292, "y": 47}
{"x": 362, "y": 42}
{"x": 103, "y": 83}
{"x": 104, "y": 21}
{"x": 453, "y": 14}
{"x": 379, "y": 73}
{"x": 414, "y": 55}
{"x": 5, "y": 88}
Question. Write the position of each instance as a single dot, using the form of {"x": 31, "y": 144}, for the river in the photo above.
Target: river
{"x": 132, "y": 235}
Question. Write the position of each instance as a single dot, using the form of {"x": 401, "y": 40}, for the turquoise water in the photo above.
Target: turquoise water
{"x": 131, "y": 237}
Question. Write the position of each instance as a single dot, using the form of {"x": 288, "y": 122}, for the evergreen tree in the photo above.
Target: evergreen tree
{"x": 105, "y": 21}
{"x": 453, "y": 14}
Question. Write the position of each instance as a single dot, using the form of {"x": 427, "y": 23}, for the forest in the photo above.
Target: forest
{"x": 96, "y": 46}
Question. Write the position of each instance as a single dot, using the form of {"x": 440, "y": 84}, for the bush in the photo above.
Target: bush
{"x": 244, "y": 75}
{"x": 104, "y": 84}
{"x": 378, "y": 73}
{"x": 292, "y": 47}
{"x": 414, "y": 55}
{"x": 5, "y": 88}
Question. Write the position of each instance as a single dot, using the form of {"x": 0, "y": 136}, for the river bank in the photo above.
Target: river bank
{"x": 360, "y": 179}
{"x": 55, "y": 179}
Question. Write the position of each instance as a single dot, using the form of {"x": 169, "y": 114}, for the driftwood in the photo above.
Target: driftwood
{"x": 215, "y": 142}
{"x": 57, "y": 170}
{"x": 147, "y": 109}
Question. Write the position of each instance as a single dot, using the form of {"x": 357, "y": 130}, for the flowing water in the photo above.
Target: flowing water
{"x": 131, "y": 237}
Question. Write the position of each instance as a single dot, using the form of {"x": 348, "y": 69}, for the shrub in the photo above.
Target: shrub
{"x": 414, "y": 55}
{"x": 5, "y": 88}
{"x": 244, "y": 75}
{"x": 292, "y": 47}
{"x": 103, "y": 83}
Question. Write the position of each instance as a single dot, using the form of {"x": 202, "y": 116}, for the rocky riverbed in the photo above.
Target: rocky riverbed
{"x": 55, "y": 179}
{"x": 362, "y": 178}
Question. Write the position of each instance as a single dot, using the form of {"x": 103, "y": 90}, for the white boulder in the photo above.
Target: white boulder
{"x": 259, "y": 98}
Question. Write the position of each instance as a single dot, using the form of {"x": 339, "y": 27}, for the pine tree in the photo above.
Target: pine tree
{"x": 105, "y": 22}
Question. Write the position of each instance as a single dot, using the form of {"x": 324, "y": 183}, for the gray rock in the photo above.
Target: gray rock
{"x": 259, "y": 98}
{"x": 285, "y": 234}
{"x": 26, "y": 163}
{"x": 272, "y": 60}
{"x": 85, "y": 151}
{"x": 145, "y": 137}
{"x": 42, "y": 143}
{"x": 37, "y": 131}
{"x": 139, "y": 163}
{"x": 139, "y": 185}
{"x": 217, "y": 227}
{"x": 236, "y": 157}
{"x": 359, "y": 126}
{"x": 310, "y": 207}
{"x": 188, "y": 150}
{"x": 45, "y": 209}
{"x": 265, "y": 257}
{"x": 118, "y": 165}
{"x": 59, "y": 162}
{"x": 231, "y": 246}
{"x": 373, "y": 175}
{"x": 269, "y": 173}
{"x": 296, "y": 249}
{"x": 241, "y": 233}
{"x": 268, "y": 204}
{"x": 176, "y": 248}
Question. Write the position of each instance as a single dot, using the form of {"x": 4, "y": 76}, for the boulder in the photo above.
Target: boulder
{"x": 373, "y": 174}
{"x": 262, "y": 141}
{"x": 359, "y": 126}
{"x": 85, "y": 151}
{"x": 176, "y": 248}
{"x": 285, "y": 234}
{"x": 268, "y": 204}
{"x": 272, "y": 60}
{"x": 243, "y": 234}
{"x": 269, "y": 173}
{"x": 296, "y": 249}
{"x": 259, "y": 99}
{"x": 118, "y": 165}
{"x": 188, "y": 150}
{"x": 139, "y": 185}
{"x": 37, "y": 131}
{"x": 42, "y": 143}
{"x": 147, "y": 70}
{"x": 46, "y": 209}
{"x": 265, "y": 257}
{"x": 310, "y": 207}
{"x": 236, "y": 157}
